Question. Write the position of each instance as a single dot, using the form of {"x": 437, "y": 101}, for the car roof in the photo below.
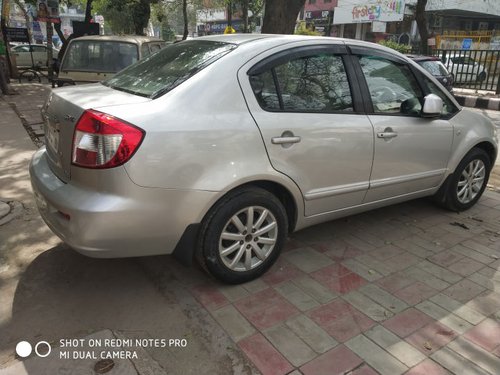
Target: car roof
{"x": 423, "y": 58}
{"x": 138, "y": 39}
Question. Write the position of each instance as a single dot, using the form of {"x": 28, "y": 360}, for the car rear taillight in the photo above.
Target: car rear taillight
{"x": 104, "y": 141}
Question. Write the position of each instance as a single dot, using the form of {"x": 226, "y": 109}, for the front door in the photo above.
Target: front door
{"x": 411, "y": 152}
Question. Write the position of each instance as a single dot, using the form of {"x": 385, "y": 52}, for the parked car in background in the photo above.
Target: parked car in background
{"x": 464, "y": 68}
{"x": 95, "y": 58}
{"x": 23, "y": 55}
{"x": 216, "y": 148}
{"x": 434, "y": 66}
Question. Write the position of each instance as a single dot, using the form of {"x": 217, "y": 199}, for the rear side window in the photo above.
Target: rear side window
{"x": 99, "y": 56}
{"x": 168, "y": 68}
{"x": 316, "y": 83}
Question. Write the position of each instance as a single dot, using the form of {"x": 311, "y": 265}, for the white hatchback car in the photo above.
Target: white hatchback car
{"x": 216, "y": 148}
{"x": 465, "y": 69}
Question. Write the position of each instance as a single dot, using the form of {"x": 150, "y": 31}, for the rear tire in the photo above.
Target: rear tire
{"x": 481, "y": 76}
{"x": 242, "y": 235}
{"x": 466, "y": 185}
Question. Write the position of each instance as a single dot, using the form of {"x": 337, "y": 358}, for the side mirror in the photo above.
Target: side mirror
{"x": 433, "y": 106}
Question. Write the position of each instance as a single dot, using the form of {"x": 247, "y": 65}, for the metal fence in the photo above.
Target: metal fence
{"x": 473, "y": 69}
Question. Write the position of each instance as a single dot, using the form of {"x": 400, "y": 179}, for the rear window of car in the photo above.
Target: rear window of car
{"x": 99, "y": 56}
{"x": 436, "y": 68}
{"x": 168, "y": 68}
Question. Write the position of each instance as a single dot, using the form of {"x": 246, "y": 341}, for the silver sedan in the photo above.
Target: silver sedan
{"x": 216, "y": 148}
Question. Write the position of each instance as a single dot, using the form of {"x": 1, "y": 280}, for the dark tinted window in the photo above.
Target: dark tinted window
{"x": 168, "y": 68}
{"x": 315, "y": 83}
{"x": 393, "y": 87}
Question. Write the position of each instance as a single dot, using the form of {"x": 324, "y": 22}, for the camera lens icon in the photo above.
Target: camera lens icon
{"x": 24, "y": 349}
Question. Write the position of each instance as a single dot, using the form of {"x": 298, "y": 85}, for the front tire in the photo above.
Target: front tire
{"x": 242, "y": 235}
{"x": 469, "y": 180}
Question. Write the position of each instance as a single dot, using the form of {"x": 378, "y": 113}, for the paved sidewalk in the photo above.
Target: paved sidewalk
{"x": 408, "y": 289}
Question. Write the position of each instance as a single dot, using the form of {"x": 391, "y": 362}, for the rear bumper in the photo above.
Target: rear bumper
{"x": 133, "y": 221}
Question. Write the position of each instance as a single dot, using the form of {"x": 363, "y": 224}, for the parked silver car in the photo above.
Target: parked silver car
{"x": 218, "y": 147}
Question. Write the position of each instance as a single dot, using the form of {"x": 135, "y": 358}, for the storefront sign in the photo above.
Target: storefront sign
{"x": 17, "y": 34}
{"x": 377, "y": 10}
{"x": 47, "y": 11}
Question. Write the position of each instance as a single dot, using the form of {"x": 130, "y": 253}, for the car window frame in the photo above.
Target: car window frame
{"x": 289, "y": 54}
{"x": 358, "y": 51}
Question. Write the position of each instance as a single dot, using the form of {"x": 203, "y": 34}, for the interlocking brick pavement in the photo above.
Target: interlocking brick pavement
{"x": 400, "y": 290}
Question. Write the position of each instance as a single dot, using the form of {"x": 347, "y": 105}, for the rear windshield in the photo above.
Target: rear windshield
{"x": 436, "y": 68}
{"x": 168, "y": 68}
{"x": 99, "y": 56}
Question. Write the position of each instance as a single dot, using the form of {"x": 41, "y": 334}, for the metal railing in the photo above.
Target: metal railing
{"x": 472, "y": 69}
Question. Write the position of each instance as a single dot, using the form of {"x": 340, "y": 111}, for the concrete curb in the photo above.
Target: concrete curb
{"x": 478, "y": 102}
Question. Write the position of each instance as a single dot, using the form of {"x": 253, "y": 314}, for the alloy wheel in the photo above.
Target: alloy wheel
{"x": 248, "y": 238}
{"x": 471, "y": 181}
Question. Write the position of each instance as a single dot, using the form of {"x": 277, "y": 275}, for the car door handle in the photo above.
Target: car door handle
{"x": 284, "y": 140}
{"x": 387, "y": 135}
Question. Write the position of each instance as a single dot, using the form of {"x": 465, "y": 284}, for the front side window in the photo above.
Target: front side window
{"x": 392, "y": 86}
{"x": 316, "y": 83}
{"x": 448, "y": 107}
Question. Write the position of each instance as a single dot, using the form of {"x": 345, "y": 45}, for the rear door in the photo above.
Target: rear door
{"x": 305, "y": 103}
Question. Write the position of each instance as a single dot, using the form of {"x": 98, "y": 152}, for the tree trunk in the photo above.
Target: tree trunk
{"x": 229, "y": 11}
{"x": 88, "y": 11}
{"x": 186, "y": 21}
{"x": 244, "y": 10}
{"x": 280, "y": 16}
{"x": 50, "y": 32}
{"x": 57, "y": 28}
{"x": 422, "y": 26}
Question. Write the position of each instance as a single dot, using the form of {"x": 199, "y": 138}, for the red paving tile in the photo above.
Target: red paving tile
{"x": 292, "y": 244}
{"x": 341, "y": 320}
{"x": 407, "y": 322}
{"x": 464, "y": 290}
{"x": 338, "y": 278}
{"x": 338, "y": 250}
{"x": 264, "y": 356}
{"x": 209, "y": 296}
{"x": 427, "y": 367}
{"x": 337, "y": 361}
{"x": 266, "y": 308}
{"x": 485, "y": 334}
{"x": 395, "y": 282}
{"x": 431, "y": 337}
{"x": 281, "y": 271}
{"x": 415, "y": 293}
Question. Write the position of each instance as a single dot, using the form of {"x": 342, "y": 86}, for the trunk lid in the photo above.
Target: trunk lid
{"x": 62, "y": 112}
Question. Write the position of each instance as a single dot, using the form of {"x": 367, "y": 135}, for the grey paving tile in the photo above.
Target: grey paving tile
{"x": 477, "y": 355}
{"x": 233, "y": 322}
{"x": 290, "y": 345}
{"x": 296, "y": 296}
{"x": 457, "y": 364}
{"x": 307, "y": 259}
{"x": 375, "y": 356}
{"x": 312, "y": 334}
